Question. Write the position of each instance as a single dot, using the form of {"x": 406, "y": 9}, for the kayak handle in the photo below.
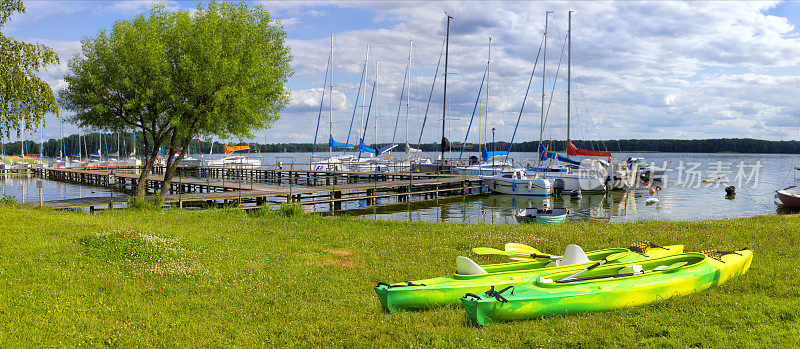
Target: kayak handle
{"x": 473, "y": 296}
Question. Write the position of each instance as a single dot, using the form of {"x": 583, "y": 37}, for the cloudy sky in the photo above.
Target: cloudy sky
{"x": 640, "y": 69}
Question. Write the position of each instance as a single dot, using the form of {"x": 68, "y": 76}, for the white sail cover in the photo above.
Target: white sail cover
{"x": 410, "y": 150}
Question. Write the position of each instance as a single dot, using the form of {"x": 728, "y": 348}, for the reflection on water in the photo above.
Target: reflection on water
{"x": 24, "y": 189}
{"x": 703, "y": 198}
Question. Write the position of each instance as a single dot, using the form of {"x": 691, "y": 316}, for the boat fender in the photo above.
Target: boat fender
{"x": 530, "y": 184}
{"x": 514, "y": 185}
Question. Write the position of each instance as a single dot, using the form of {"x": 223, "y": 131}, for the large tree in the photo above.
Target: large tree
{"x": 25, "y": 98}
{"x": 217, "y": 71}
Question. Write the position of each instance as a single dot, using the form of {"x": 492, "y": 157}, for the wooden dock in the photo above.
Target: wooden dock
{"x": 256, "y": 187}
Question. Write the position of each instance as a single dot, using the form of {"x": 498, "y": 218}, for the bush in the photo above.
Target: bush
{"x": 290, "y": 209}
{"x": 140, "y": 204}
{"x": 8, "y": 200}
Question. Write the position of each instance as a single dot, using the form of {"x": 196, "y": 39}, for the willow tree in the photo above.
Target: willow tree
{"x": 173, "y": 76}
{"x": 25, "y": 99}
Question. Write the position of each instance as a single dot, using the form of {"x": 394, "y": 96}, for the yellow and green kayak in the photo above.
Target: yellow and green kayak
{"x": 447, "y": 290}
{"x": 607, "y": 287}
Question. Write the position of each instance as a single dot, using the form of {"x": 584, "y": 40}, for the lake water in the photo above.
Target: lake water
{"x": 691, "y": 191}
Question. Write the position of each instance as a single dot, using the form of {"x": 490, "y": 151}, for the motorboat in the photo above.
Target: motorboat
{"x": 236, "y": 160}
{"x": 566, "y": 179}
{"x": 518, "y": 183}
{"x": 647, "y": 171}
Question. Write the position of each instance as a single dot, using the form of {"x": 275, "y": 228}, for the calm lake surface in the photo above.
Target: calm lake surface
{"x": 693, "y": 189}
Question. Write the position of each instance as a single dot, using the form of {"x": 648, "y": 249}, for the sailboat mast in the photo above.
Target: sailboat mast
{"x": 408, "y": 95}
{"x": 377, "y": 84}
{"x": 569, "y": 66}
{"x": 444, "y": 95}
{"x": 544, "y": 72}
{"x": 330, "y": 103}
{"x": 488, "y": 69}
{"x": 364, "y": 92}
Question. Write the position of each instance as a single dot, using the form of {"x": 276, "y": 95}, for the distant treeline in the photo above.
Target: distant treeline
{"x": 111, "y": 143}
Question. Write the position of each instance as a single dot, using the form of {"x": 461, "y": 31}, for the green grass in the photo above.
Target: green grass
{"x": 228, "y": 278}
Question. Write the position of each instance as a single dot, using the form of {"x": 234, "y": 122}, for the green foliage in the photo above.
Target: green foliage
{"x": 26, "y": 98}
{"x": 8, "y": 200}
{"x": 290, "y": 209}
{"x": 140, "y": 204}
{"x": 218, "y": 71}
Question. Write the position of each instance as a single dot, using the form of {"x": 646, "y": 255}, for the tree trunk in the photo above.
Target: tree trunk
{"x": 150, "y": 160}
{"x": 170, "y": 171}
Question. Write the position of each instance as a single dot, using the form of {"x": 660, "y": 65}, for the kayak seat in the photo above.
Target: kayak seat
{"x": 573, "y": 254}
{"x": 465, "y": 266}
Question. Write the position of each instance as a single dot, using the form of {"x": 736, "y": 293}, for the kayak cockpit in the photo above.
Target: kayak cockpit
{"x": 624, "y": 270}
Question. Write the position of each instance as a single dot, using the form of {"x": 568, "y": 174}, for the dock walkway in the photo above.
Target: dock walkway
{"x": 244, "y": 187}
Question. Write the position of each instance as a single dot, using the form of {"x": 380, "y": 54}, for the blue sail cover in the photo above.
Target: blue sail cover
{"x": 487, "y": 154}
{"x": 385, "y": 149}
{"x": 545, "y": 154}
{"x": 366, "y": 149}
{"x": 335, "y": 144}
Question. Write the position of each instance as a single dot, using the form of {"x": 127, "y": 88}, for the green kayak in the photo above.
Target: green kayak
{"x": 446, "y": 290}
{"x": 607, "y": 287}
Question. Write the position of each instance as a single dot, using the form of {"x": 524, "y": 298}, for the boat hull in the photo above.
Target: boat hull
{"x": 572, "y": 181}
{"x": 538, "y": 298}
{"x": 526, "y": 187}
{"x": 790, "y": 198}
{"x": 557, "y": 215}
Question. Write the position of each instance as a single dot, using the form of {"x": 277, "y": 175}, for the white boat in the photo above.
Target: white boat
{"x": 646, "y": 170}
{"x": 236, "y": 160}
{"x": 566, "y": 179}
{"x": 190, "y": 161}
{"x": 491, "y": 166}
{"x": 517, "y": 183}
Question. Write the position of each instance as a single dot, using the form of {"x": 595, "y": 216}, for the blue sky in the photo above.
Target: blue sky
{"x": 640, "y": 69}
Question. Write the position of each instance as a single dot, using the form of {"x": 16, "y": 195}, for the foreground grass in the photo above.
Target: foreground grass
{"x": 223, "y": 278}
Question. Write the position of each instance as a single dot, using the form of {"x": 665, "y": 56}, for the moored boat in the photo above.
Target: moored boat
{"x": 517, "y": 183}
{"x": 608, "y": 287}
{"x": 789, "y": 197}
{"x": 541, "y": 215}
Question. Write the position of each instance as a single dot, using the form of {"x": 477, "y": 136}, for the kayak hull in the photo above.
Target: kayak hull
{"x": 539, "y": 299}
{"x": 447, "y": 290}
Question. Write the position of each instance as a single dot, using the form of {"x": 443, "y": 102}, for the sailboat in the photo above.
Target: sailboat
{"x": 236, "y": 160}
{"x": 192, "y": 161}
{"x": 489, "y": 163}
{"x": 567, "y": 175}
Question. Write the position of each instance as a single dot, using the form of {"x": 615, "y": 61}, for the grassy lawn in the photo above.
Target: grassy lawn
{"x": 228, "y": 278}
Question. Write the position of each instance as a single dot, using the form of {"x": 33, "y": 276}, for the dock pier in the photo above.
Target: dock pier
{"x": 248, "y": 188}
